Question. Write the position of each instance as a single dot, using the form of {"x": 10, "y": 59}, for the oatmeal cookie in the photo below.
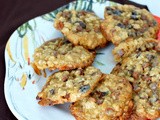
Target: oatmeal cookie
{"x": 141, "y": 65}
{"x": 143, "y": 71}
{"x": 61, "y": 54}
{"x": 127, "y": 22}
{"x": 146, "y": 99}
{"x": 110, "y": 100}
{"x": 69, "y": 86}
{"x": 127, "y": 48}
{"x": 81, "y": 28}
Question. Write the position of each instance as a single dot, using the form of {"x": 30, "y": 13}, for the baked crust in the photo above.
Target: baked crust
{"x": 81, "y": 28}
{"x": 61, "y": 54}
{"x": 127, "y": 48}
{"x": 146, "y": 100}
{"x": 110, "y": 100}
{"x": 69, "y": 86}
{"x": 143, "y": 71}
{"x": 126, "y": 22}
{"x": 139, "y": 65}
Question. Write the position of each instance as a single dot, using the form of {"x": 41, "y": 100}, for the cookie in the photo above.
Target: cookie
{"x": 69, "y": 86}
{"x": 81, "y": 28}
{"x": 143, "y": 71}
{"x": 127, "y": 48}
{"x": 146, "y": 99}
{"x": 110, "y": 100}
{"x": 61, "y": 54}
{"x": 141, "y": 65}
{"x": 127, "y": 22}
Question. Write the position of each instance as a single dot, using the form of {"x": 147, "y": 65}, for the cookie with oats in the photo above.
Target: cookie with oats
{"x": 61, "y": 54}
{"x": 127, "y": 22}
{"x": 141, "y": 65}
{"x": 81, "y": 28}
{"x": 69, "y": 86}
{"x": 125, "y": 49}
{"x": 110, "y": 100}
{"x": 146, "y": 99}
{"x": 143, "y": 71}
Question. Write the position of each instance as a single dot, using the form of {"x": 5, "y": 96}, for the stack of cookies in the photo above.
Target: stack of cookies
{"x": 130, "y": 92}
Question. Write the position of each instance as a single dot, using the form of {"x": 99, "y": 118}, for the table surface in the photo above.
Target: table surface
{"x": 16, "y": 12}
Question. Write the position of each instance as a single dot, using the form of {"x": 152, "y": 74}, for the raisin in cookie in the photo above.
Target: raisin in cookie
{"x": 127, "y": 48}
{"x": 141, "y": 65}
{"x": 61, "y": 54}
{"x": 127, "y": 22}
{"x": 143, "y": 71}
{"x": 69, "y": 86}
{"x": 110, "y": 100}
{"x": 146, "y": 100}
{"x": 81, "y": 28}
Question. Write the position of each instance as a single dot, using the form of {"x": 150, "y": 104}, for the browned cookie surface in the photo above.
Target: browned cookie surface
{"x": 143, "y": 71}
{"x": 110, "y": 100}
{"x": 146, "y": 99}
{"x": 61, "y": 54}
{"x": 125, "y": 49}
{"x": 69, "y": 86}
{"x": 81, "y": 28}
{"x": 127, "y": 22}
{"x": 145, "y": 65}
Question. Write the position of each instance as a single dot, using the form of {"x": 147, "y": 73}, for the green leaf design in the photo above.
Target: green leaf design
{"x": 99, "y": 53}
{"x": 99, "y": 63}
{"x": 86, "y": 5}
{"x": 89, "y": 8}
{"x": 22, "y": 30}
{"x": 101, "y": 1}
{"x": 49, "y": 17}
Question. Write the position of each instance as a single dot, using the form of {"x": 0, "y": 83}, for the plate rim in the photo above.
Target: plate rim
{"x": 9, "y": 104}
{"x": 6, "y": 87}
{"x": 7, "y": 99}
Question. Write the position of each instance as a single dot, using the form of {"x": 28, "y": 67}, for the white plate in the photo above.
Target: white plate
{"x": 21, "y": 82}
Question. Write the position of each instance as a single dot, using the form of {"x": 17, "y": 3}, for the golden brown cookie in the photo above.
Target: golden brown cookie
{"x": 81, "y": 28}
{"x": 61, "y": 54}
{"x": 146, "y": 100}
{"x": 145, "y": 65}
{"x": 142, "y": 69}
{"x": 127, "y": 22}
{"x": 110, "y": 100}
{"x": 138, "y": 45}
{"x": 69, "y": 86}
